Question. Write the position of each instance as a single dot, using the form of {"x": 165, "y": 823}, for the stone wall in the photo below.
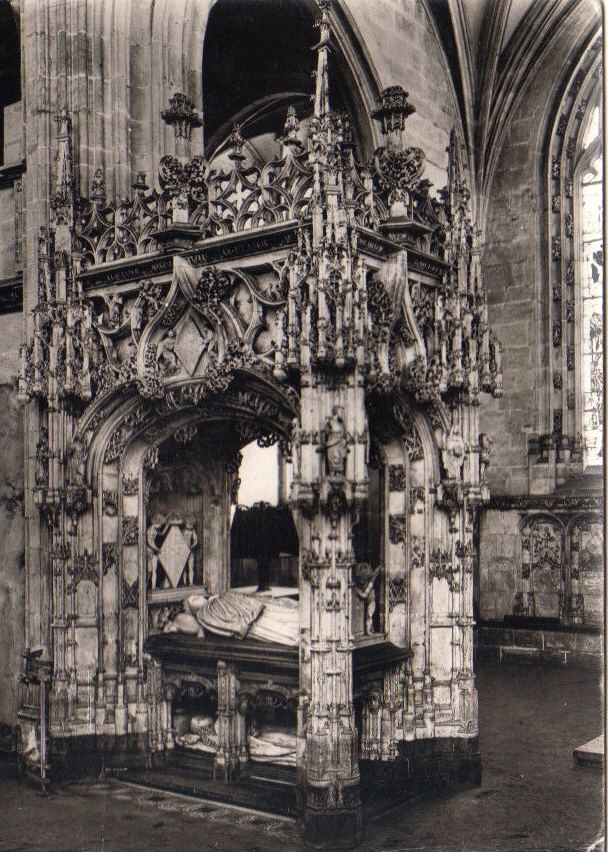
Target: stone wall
{"x": 515, "y": 262}
{"x": 12, "y": 578}
{"x": 499, "y": 563}
{"x": 13, "y": 133}
{"x": 404, "y": 49}
{"x": 516, "y": 256}
{"x": 516, "y": 302}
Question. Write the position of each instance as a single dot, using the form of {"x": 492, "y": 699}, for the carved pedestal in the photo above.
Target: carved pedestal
{"x": 231, "y": 736}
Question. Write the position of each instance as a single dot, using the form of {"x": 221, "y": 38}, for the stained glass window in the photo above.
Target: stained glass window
{"x": 592, "y": 289}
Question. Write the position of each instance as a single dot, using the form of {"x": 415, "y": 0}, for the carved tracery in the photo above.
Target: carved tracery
{"x": 331, "y": 308}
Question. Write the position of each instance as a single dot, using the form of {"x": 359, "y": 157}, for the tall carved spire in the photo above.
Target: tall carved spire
{"x": 62, "y": 200}
{"x": 323, "y": 48}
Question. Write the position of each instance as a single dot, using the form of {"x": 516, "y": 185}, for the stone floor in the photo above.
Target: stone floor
{"x": 534, "y": 795}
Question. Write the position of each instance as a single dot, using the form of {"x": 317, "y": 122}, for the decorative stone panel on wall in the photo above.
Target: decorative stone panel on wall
{"x": 543, "y": 564}
{"x": 541, "y": 568}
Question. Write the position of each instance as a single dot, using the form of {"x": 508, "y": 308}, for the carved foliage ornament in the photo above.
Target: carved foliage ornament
{"x": 216, "y": 378}
{"x": 84, "y": 567}
{"x": 212, "y": 287}
{"x": 109, "y": 555}
{"x": 397, "y": 529}
{"x": 397, "y": 592}
{"x": 396, "y": 477}
{"x": 441, "y": 568}
{"x": 420, "y": 381}
{"x": 398, "y": 171}
{"x": 130, "y": 483}
{"x": 309, "y": 563}
{"x": 130, "y": 594}
{"x": 122, "y": 434}
{"x": 178, "y": 179}
{"x": 409, "y": 433}
{"x": 110, "y": 503}
{"x": 166, "y": 481}
{"x": 130, "y": 531}
{"x": 380, "y": 305}
{"x": 181, "y": 115}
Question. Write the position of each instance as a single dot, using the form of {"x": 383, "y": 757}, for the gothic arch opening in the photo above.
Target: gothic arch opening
{"x": 164, "y": 487}
{"x": 589, "y": 194}
{"x": 264, "y": 543}
{"x": 574, "y": 297}
{"x": 257, "y": 62}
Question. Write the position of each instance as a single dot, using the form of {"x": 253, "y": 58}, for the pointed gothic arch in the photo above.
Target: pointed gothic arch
{"x": 252, "y": 71}
{"x": 304, "y": 299}
{"x": 576, "y": 414}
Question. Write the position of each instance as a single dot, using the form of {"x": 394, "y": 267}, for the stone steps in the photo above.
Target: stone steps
{"x": 591, "y": 752}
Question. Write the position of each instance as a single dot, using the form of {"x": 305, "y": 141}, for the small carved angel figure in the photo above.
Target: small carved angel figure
{"x": 191, "y": 540}
{"x": 136, "y": 315}
{"x": 43, "y": 454}
{"x": 454, "y": 450}
{"x": 165, "y": 353}
{"x": 207, "y": 338}
{"x": 485, "y": 448}
{"x": 114, "y": 310}
{"x": 154, "y": 536}
{"x": 77, "y": 455}
{"x": 365, "y": 578}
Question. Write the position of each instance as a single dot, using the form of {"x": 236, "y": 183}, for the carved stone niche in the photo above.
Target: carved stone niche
{"x": 174, "y": 529}
{"x": 187, "y": 502}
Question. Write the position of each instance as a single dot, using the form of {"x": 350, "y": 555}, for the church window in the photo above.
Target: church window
{"x": 590, "y": 171}
{"x": 575, "y": 259}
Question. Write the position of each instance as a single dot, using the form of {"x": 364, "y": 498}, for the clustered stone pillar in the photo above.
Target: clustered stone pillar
{"x": 330, "y": 481}
{"x": 330, "y": 771}
{"x": 230, "y": 726}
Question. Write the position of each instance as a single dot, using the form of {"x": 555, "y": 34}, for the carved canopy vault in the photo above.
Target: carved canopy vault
{"x": 335, "y": 309}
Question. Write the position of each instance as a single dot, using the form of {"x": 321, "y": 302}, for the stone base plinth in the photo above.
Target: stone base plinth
{"x": 426, "y": 766}
{"x": 94, "y": 755}
{"x": 333, "y": 817}
{"x": 591, "y": 752}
